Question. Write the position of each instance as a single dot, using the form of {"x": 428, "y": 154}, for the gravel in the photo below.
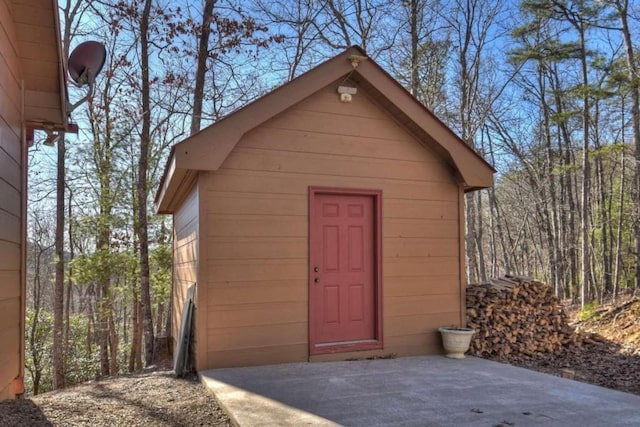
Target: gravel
{"x": 151, "y": 399}
{"x": 160, "y": 399}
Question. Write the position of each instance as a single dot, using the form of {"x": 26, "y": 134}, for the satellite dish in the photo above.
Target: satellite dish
{"x": 86, "y": 61}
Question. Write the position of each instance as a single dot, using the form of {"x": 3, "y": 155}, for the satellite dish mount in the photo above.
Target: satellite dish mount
{"x": 85, "y": 63}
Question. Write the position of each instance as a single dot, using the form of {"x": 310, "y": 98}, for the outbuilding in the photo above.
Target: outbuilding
{"x": 323, "y": 221}
{"x": 33, "y": 96}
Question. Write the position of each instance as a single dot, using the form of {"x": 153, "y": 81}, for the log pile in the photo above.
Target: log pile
{"x": 515, "y": 315}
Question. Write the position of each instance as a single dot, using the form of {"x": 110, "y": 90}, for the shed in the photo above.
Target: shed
{"x": 318, "y": 227}
{"x": 32, "y": 96}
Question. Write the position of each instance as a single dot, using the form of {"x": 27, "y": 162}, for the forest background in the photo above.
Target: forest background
{"x": 546, "y": 90}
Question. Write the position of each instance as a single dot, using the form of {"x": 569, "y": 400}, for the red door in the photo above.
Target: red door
{"x": 342, "y": 278}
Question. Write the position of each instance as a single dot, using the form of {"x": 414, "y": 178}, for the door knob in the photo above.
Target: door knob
{"x": 316, "y": 269}
{"x": 316, "y": 280}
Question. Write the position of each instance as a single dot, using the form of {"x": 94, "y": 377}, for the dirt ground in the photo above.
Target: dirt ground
{"x": 602, "y": 365}
{"x": 618, "y": 322}
{"x": 610, "y": 356}
{"x": 150, "y": 399}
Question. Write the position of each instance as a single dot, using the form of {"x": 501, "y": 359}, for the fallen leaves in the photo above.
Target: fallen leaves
{"x": 519, "y": 321}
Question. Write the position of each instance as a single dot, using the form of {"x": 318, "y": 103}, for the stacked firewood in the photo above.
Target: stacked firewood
{"x": 515, "y": 315}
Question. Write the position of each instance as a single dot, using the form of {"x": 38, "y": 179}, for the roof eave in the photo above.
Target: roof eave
{"x": 62, "y": 67}
{"x": 46, "y": 109}
{"x": 474, "y": 170}
{"x": 197, "y": 152}
{"x": 167, "y": 186}
{"x": 207, "y": 149}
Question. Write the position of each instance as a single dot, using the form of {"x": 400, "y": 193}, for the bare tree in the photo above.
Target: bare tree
{"x": 622, "y": 9}
{"x": 298, "y": 20}
{"x": 363, "y": 22}
{"x": 421, "y": 51}
{"x": 143, "y": 192}
{"x": 39, "y": 255}
{"x": 201, "y": 66}
{"x": 72, "y": 12}
{"x": 470, "y": 22}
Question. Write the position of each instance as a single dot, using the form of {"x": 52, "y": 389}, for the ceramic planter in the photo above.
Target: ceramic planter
{"x": 456, "y": 341}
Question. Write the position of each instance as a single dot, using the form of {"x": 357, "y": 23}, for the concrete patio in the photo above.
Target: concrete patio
{"x": 414, "y": 391}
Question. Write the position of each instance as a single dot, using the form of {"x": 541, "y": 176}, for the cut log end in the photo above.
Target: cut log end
{"x": 516, "y": 315}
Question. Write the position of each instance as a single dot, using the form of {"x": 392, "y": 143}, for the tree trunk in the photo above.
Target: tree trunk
{"x": 58, "y": 301}
{"x": 160, "y": 319}
{"x": 69, "y": 294}
{"x": 470, "y": 241}
{"x": 568, "y": 188}
{"x": 138, "y": 337}
{"x": 36, "y": 355}
{"x": 135, "y": 356}
{"x": 142, "y": 231}
{"x": 413, "y": 24}
{"x": 113, "y": 344}
{"x": 103, "y": 159}
{"x": 586, "y": 167}
{"x": 103, "y": 331}
{"x": 605, "y": 280}
{"x": 616, "y": 273}
{"x": 479, "y": 237}
{"x": 201, "y": 66}
{"x": 634, "y": 81}
{"x": 36, "y": 382}
{"x": 553, "y": 229}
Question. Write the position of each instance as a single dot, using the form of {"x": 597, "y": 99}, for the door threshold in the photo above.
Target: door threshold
{"x": 338, "y": 343}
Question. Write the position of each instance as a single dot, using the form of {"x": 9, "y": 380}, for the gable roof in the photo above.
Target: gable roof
{"x": 207, "y": 149}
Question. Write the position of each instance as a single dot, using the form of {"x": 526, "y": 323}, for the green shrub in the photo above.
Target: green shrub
{"x": 589, "y": 311}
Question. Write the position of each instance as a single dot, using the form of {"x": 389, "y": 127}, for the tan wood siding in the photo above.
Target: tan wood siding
{"x": 224, "y": 339}
{"x": 276, "y": 183}
{"x": 404, "y": 345}
{"x": 37, "y": 44}
{"x": 462, "y": 251}
{"x": 255, "y": 208}
{"x": 11, "y": 193}
{"x": 9, "y": 44}
{"x": 185, "y": 257}
{"x": 9, "y": 359}
{"x": 257, "y": 355}
{"x": 260, "y": 291}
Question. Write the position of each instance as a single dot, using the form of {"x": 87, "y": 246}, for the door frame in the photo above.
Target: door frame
{"x": 377, "y": 343}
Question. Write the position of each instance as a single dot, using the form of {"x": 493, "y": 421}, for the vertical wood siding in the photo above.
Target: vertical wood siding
{"x": 255, "y": 209}
{"x": 11, "y": 193}
{"x": 185, "y": 257}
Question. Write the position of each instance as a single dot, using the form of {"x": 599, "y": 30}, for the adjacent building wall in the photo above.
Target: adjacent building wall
{"x": 185, "y": 258}
{"x": 12, "y": 188}
{"x": 255, "y": 226}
